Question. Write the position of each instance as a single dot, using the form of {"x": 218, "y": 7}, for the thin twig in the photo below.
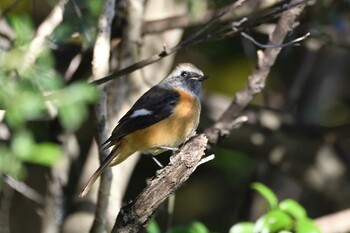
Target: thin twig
{"x": 206, "y": 159}
{"x": 24, "y": 189}
{"x": 266, "y": 46}
{"x": 211, "y": 36}
{"x": 256, "y": 81}
{"x": 165, "y": 52}
{"x": 185, "y": 20}
{"x": 45, "y": 29}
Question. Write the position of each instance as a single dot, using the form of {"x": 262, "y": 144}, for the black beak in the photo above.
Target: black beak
{"x": 200, "y": 77}
{"x": 203, "y": 77}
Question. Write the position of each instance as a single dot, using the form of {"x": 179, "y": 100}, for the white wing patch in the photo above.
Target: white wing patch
{"x": 141, "y": 112}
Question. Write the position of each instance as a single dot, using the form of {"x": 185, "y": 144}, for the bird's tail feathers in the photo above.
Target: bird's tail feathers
{"x": 98, "y": 173}
{"x": 108, "y": 143}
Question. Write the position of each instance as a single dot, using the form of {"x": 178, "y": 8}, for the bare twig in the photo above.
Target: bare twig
{"x": 256, "y": 81}
{"x": 100, "y": 68}
{"x": 137, "y": 213}
{"x": 45, "y": 29}
{"x": 199, "y": 37}
{"x": 206, "y": 159}
{"x": 266, "y": 46}
{"x": 24, "y": 189}
{"x": 185, "y": 20}
{"x": 165, "y": 52}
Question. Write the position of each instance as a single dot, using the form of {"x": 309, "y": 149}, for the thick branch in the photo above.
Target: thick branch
{"x": 137, "y": 214}
{"x": 256, "y": 81}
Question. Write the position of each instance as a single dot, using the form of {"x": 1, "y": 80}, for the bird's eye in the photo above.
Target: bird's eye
{"x": 184, "y": 74}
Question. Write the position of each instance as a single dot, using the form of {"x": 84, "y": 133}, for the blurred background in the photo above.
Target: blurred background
{"x": 296, "y": 139}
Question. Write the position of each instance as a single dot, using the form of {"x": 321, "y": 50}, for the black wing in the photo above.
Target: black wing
{"x": 159, "y": 101}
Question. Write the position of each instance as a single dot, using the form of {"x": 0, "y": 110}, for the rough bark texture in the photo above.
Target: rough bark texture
{"x": 137, "y": 213}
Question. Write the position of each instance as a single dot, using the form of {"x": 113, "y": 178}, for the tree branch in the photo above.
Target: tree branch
{"x": 182, "y": 165}
{"x": 335, "y": 223}
{"x": 201, "y": 36}
{"x": 45, "y": 29}
{"x": 137, "y": 213}
{"x": 100, "y": 68}
{"x": 256, "y": 81}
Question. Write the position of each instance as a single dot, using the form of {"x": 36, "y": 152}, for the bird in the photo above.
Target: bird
{"x": 162, "y": 119}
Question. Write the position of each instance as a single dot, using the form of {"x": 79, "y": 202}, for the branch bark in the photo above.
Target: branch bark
{"x": 137, "y": 213}
{"x": 101, "y": 67}
{"x": 166, "y": 51}
{"x": 186, "y": 20}
{"x": 256, "y": 81}
{"x": 183, "y": 164}
{"x": 200, "y": 36}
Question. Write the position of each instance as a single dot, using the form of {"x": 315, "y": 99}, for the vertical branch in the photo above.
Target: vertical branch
{"x": 100, "y": 67}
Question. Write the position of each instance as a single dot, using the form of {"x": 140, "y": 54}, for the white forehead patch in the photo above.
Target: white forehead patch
{"x": 140, "y": 112}
{"x": 186, "y": 67}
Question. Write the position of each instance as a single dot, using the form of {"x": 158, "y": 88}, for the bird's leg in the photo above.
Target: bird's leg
{"x": 172, "y": 149}
{"x": 168, "y": 148}
{"x": 160, "y": 165}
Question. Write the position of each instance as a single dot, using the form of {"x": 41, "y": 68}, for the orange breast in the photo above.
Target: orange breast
{"x": 170, "y": 132}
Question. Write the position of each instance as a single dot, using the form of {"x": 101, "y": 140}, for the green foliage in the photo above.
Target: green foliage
{"x": 267, "y": 193}
{"x": 35, "y": 92}
{"x": 153, "y": 227}
{"x": 286, "y": 216}
{"x": 195, "y": 227}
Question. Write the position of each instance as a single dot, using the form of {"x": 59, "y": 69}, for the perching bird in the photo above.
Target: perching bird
{"x": 161, "y": 119}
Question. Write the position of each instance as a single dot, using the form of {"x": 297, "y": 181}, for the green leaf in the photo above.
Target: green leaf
{"x": 153, "y": 227}
{"x": 195, "y": 227}
{"x": 23, "y": 105}
{"x": 45, "y": 154}
{"x": 71, "y": 116}
{"x": 274, "y": 221}
{"x": 293, "y": 208}
{"x": 23, "y": 28}
{"x": 306, "y": 225}
{"x": 9, "y": 163}
{"x": 71, "y": 102}
{"x": 267, "y": 193}
{"x": 75, "y": 93}
{"x": 22, "y": 144}
{"x": 243, "y": 227}
{"x": 198, "y": 227}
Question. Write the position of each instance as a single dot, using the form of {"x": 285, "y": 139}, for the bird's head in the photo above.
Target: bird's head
{"x": 186, "y": 77}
